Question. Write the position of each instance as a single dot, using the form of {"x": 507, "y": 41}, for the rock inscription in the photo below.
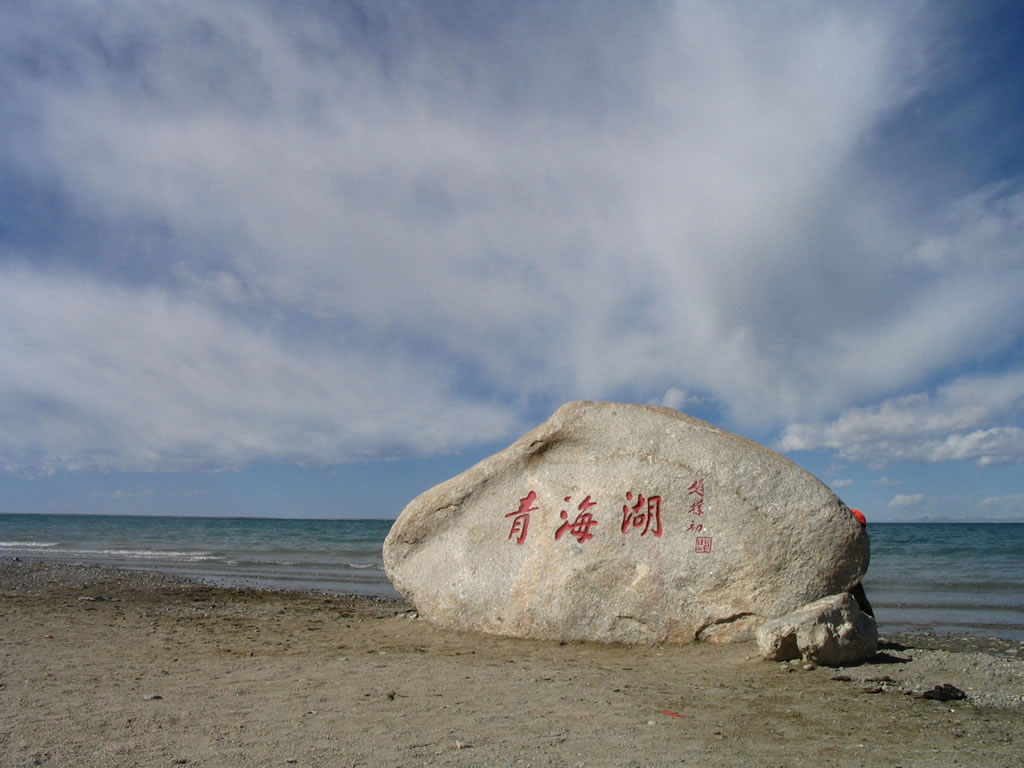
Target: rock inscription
{"x": 624, "y": 523}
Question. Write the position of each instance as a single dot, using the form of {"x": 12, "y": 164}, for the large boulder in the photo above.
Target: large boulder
{"x": 624, "y": 523}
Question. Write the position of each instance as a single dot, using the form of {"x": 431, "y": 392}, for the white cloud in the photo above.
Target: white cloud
{"x": 947, "y": 426}
{"x": 906, "y": 500}
{"x": 981, "y": 231}
{"x": 887, "y": 481}
{"x": 298, "y": 237}
{"x": 97, "y": 377}
{"x": 841, "y": 483}
{"x": 1008, "y": 508}
{"x": 678, "y": 399}
{"x": 1016, "y": 499}
{"x": 146, "y": 493}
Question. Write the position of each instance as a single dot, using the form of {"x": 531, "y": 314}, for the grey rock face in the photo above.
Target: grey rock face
{"x": 624, "y": 523}
{"x": 832, "y": 631}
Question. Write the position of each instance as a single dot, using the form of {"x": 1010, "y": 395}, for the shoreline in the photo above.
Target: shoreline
{"x": 117, "y": 667}
{"x": 67, "y": 574}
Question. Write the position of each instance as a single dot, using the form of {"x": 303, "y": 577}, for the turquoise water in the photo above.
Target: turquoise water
{"x": 946, "y": 578}
{"x": 950, "y": 578}
{"x": 339, "y": 556}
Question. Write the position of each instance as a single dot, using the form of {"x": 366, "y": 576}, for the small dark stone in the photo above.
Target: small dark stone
{"x": 944, "y": 692}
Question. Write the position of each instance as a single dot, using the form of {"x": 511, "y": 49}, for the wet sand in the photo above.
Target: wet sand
{"x": 120, "y": 668}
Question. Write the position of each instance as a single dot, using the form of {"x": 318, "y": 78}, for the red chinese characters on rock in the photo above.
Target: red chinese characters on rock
{"x": 697, "y": 490}
{"x": 702, "y": 544}
{"x": 580, "y": 527}
{"x": 521, "y": 517}
{"x": 642, "y": 514}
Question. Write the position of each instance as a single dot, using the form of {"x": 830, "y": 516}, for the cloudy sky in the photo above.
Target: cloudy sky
{"x": 309, "y": 259}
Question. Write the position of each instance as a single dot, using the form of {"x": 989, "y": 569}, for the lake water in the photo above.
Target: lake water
{"x": 924, "y": 577}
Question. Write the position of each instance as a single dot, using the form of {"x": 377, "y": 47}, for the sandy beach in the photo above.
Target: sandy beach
{"x": 118, "y": 668}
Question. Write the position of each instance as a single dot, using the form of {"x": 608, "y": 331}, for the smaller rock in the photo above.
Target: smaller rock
{"x": 832, "y": 631}
{"x": 152, "y": 697}
{"x": 944, "y": 692}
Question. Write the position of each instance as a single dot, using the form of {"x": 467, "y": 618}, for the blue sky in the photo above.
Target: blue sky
{"x": 264, "y": 259}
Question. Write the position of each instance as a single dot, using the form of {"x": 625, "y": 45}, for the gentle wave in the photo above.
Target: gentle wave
{"x": 146, "y": 554}
{"x": 340, "y": 556}
{"x": 307, "y": 563}
{"x": 1007, "y": 630}
{"x": 950, "y": 609}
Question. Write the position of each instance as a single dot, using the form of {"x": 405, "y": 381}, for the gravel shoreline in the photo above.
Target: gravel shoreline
{"x": 38, "y": 576}
{"x": 123, "y": 668}
{"x": 34, "y": 577}
{"x": 989, "y": 670}
{"x": 17, "y": 575}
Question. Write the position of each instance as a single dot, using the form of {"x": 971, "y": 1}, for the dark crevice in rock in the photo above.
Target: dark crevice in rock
{"x": 719, "y": 622}
{"x": 538, "y": 449}
{"x": 633, "y": 619}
